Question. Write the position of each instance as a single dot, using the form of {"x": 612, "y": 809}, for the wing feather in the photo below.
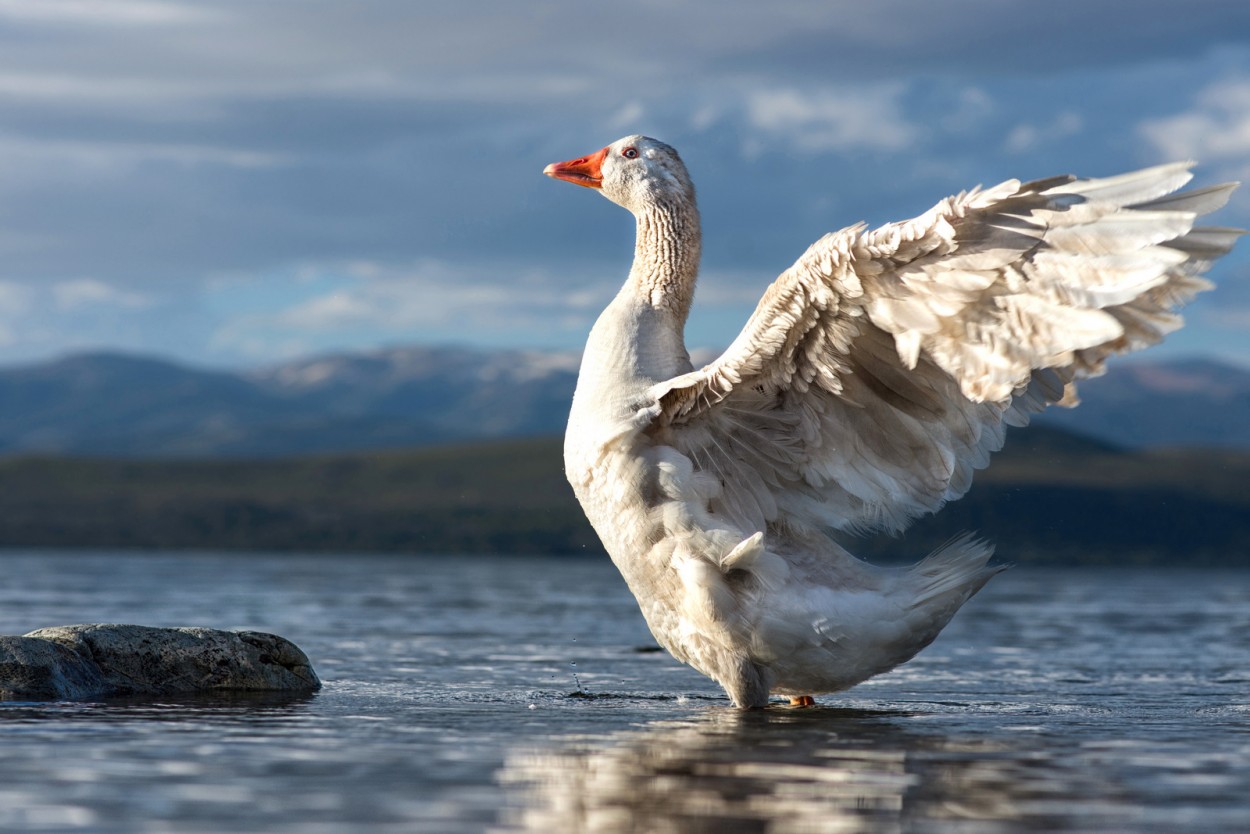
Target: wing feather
{"x": 880, "y": 370}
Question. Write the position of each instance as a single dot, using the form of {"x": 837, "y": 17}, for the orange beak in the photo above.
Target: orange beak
{"x": 585, "y": 171}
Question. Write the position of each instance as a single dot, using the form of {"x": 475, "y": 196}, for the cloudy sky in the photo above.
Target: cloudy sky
{"x": 235, "y": 182}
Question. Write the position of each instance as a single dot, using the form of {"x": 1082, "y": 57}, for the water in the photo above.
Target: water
{"x": 480, "y": 694}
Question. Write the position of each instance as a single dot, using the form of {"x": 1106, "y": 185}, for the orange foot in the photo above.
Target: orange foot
{"x": 802, "y": 701}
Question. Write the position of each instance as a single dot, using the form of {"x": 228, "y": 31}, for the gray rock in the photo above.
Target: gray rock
{"x": 40, "y": 670}
{"x": 91, "y": 661}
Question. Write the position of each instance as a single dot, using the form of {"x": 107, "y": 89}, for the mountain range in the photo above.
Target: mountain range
{"x": 117, "y": 405}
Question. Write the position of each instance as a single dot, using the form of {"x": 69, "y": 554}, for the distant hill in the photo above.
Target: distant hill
{"x": 128, "y": 406}
{"x": 1194, "y": 402}
{"x": 1051, "y": 498}
{"x": 117, "y": 405}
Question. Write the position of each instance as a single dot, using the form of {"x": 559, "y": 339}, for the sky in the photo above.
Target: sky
{"x": 233, "y": 183}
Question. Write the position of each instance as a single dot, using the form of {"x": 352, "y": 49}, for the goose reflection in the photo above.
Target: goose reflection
{"x": 821, "y": 770}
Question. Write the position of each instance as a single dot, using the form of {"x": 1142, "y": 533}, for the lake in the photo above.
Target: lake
{"x": 525, "y": 694}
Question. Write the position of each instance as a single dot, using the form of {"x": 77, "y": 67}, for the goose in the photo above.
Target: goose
{"x": 877, "y": 373}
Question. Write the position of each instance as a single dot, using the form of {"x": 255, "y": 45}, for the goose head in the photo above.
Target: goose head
{"x": 636, "y": 172}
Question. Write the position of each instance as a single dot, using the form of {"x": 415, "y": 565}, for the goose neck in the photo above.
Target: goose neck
{"x": 666, "y": 256}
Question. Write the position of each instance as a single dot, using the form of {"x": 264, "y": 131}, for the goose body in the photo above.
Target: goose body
{"x": 876, "y": 374}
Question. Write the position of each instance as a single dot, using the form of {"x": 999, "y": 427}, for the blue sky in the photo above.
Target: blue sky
{"x": 235, "y": 183}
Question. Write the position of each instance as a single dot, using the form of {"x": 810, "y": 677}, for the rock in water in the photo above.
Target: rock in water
{"x": 40, "y": 670}
{"x": 92, "y": 661}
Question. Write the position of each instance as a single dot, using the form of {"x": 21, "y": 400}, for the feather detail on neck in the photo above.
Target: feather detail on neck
{"x": 666, "y": 255}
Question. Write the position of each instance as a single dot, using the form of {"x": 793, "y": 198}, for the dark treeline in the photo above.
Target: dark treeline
{"x": 1048, "y": 498}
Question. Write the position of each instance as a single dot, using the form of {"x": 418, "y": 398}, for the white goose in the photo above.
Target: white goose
{"x": 876, "y": 374}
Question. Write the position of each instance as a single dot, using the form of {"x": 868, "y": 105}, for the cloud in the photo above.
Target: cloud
{"x": 1025, "y": 138}
{"x": 84, "y": 313}
{"x": 970, "y": 108}
{"x": 106, "y": 158}
{"x": 1215, "y": 129}
{"x": 87, "y": 13}
{"x": 627, "y": 116}
{"x": 826, "y": 120}
{"x": 892, "y": 39}
{"x": 16, "y": 302}
{"x": 92, "y": 293}
{"x": 429, "y": 300}
{"x": 104, "y": 90}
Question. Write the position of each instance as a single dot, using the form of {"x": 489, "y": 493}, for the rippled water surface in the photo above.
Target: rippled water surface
{"x": 491, "y": 694}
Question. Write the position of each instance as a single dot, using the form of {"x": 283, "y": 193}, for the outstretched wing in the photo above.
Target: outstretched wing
{"x": 878, "y": 371}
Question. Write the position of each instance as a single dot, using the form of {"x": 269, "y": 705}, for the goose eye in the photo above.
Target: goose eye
{"x": 630, "y": 153}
